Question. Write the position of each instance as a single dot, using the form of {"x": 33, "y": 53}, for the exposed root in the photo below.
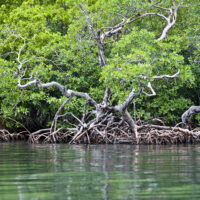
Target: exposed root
{"x": 6, "y": 136}
{"x": 153, "y": 134}
{"x": 39, "y": 135}
{"x": 116, "y": 133}
{"x": 107, "y": 131}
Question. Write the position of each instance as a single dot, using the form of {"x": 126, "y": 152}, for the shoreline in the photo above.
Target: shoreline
{"x": 147, "y": 135}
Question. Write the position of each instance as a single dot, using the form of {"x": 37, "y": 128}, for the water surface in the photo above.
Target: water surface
{"x": 80, "y": 172}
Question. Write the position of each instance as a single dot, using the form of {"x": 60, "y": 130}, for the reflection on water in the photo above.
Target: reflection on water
{"x": 98, "y": 172}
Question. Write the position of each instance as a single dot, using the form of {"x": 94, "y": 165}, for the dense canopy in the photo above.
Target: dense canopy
{"x": 148, "y": 49}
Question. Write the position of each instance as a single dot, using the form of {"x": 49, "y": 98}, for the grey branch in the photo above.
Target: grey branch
{"x": 170, "y": 19}
{"x": 68, "y": 93}
{"x": 127, "y": 101}
{"x": 153, "y": 93}
{"x": 57, "y": 115}
{"x": 168, "y": 76}
{"x": 88, "y": 22}
{"x": 152, "y": 90}
{"x": 189, "y": 113}
{"x": 106, "y": 98}
{"x": 96, "y": 36}
{"x": 159, "y": 7}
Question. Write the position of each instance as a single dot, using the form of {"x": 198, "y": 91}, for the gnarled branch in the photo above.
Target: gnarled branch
{"x": 188, "y": 113}
{"x": 176, "y": 75}
{"x": 152, "y": 90}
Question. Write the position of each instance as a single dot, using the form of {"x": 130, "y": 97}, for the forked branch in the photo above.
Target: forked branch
{"x": 100, "y": 35}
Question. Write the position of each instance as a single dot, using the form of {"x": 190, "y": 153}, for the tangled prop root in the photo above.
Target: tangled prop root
{"x": 45, "y": 136}
{"x": 153, "y": 134}
{"x": 112, "y": 133}
{"x": 116, "y": 133}
{"x": 6, "y": 136}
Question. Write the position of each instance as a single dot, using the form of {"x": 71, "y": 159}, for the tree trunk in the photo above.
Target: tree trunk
{"x": 127, "y": 118}
{"x": 102, "y": 59}
{"x": 186, "y": 116}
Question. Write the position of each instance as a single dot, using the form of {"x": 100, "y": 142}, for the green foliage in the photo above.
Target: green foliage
{"x": 60, "y": 48}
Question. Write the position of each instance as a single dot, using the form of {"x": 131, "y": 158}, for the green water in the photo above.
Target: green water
{"x": 98, "y": 172}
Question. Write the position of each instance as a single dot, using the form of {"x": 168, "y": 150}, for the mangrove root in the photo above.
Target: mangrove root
{"x": 6, "y": 136}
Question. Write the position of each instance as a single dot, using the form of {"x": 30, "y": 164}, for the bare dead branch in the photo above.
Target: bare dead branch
{"x": 176, "y": 75}
{"x": 63, "y": 90}
{"x": 170, "y": 19}
{"x": 152, "y": 90}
